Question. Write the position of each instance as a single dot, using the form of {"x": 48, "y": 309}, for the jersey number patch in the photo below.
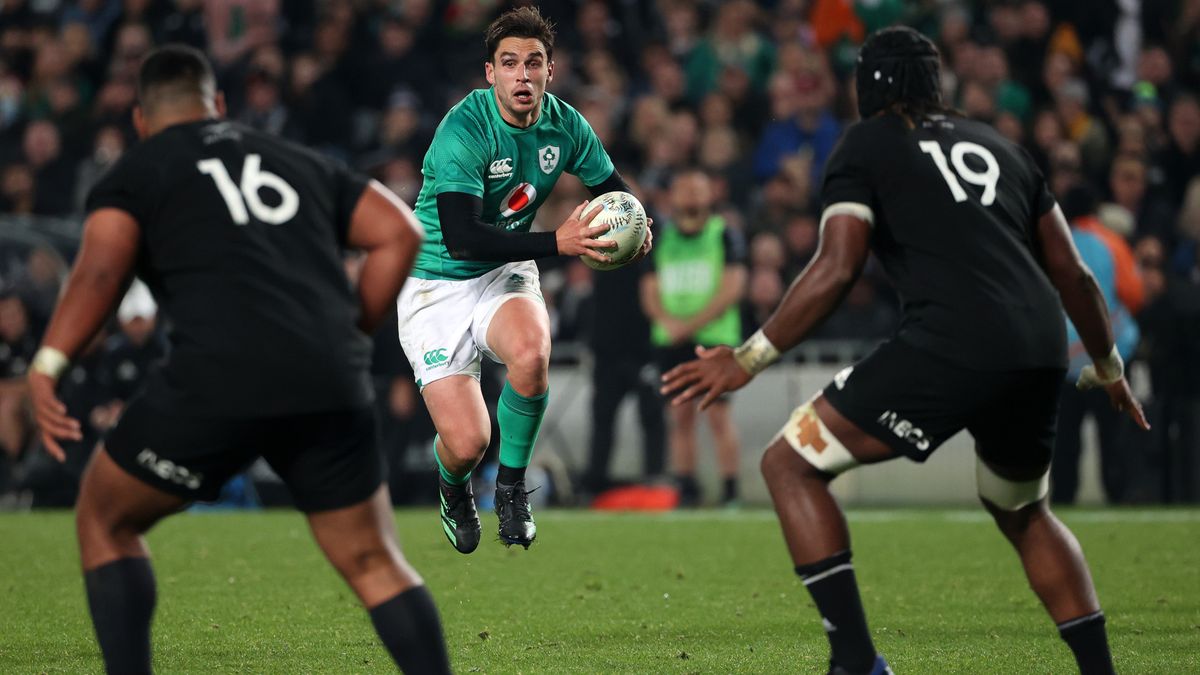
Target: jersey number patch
{"x": 987, "y": 180}
{"x": 246, "y": 201}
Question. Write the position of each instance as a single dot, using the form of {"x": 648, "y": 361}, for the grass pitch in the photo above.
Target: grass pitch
{"x": 702, "y": 592}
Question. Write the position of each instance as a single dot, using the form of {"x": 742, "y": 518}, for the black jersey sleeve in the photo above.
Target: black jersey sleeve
{"x": 735, "y": 246}
{"x": 131, "y": 186}
{"x": 848, "y": 173}
{"x": 613, "y": 183}
{"x": 350, "y": 188}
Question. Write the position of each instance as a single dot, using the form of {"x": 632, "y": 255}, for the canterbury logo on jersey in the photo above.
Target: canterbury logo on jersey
{"x": 436, "y": 357}
{"x": 501, "y": 168}
{"x": 521, "y": 196}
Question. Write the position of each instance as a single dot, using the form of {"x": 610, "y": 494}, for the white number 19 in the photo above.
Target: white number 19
{"x": 253, "y": 179}
{"x": 987, "y": 180}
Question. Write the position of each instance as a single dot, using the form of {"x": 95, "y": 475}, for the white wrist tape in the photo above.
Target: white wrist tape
{"x": 756, "y": 353}
{"x": 1103, "y": 372}
{"x": 50, "y": 362}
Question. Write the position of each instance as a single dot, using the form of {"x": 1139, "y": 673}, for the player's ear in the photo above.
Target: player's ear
{"x": 549, "y": 72}
{"x": 489, "y": 71}
{"x": 139, "y": 122}
{"x": 219, "y": 103}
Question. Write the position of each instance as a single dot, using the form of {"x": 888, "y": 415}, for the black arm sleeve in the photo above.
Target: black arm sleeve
{"x": 614, "y": 182}
{"x": 467, "y": 237}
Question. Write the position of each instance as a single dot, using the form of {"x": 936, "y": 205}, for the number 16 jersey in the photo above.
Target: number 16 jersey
{"x": 954, "y": 207}
{"x": 241, "y": 243}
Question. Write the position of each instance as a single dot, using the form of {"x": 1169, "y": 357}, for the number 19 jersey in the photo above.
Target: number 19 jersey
{"x": 955, "y": 208}
{"x": 241, "y": 243}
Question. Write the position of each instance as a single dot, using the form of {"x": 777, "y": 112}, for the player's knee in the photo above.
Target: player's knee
{"x": 466, "y": 444}
{"x": 531, "y": 361}
{"x": 780, "y": 460}
{"x": 365, "y": 559}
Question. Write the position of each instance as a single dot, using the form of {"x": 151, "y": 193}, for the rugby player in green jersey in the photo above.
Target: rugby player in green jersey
{"x": 474, "y": 290}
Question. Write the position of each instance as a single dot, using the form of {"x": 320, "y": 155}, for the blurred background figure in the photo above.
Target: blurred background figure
{"x": 1111, "y": 261}
{"x": 696, "y": 276}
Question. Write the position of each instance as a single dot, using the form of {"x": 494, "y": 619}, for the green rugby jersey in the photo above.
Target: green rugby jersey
{"x": 513, "y": 170}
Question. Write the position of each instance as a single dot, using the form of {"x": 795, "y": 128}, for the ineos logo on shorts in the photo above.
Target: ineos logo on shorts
{"x": 436, "y": 357}
{"x": 168, "y": 470}
{"x": 904, "y": 429}
{"x": 501, "y": 168}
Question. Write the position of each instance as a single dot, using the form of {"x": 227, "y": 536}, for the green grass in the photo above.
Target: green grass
{"x": 703, "y": 592}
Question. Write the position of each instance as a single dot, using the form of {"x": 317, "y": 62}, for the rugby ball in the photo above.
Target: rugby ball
{"x": 625, "y": 214}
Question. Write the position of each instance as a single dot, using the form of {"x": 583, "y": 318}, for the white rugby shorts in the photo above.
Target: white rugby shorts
{"x": 444, "y": 322}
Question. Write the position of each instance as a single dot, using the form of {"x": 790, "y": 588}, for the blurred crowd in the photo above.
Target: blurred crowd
{"x": 1102, "y": 93}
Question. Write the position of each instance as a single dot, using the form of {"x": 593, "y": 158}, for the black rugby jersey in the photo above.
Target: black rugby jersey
{"x": 955, "y": 209}
{"x": 242, "y": 236}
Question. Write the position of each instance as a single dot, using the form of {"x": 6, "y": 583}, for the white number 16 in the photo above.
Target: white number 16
{"x": 253, "y": 178}
{"x": 987, "y": 180}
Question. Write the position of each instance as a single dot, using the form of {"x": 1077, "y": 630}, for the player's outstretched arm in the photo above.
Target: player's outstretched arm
{"x": 1085, "y": 306}
{"x": 387, "y": 231}
{"x": 845, "y": 243}
{"x": 98, "y": 280}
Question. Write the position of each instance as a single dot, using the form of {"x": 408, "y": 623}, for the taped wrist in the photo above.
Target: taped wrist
{"x": 756, "y": 353}
{"x": 1110, "y": 368}
{"x": 50, "y": 362}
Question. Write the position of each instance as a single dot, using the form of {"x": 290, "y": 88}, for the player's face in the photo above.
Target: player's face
{"x": 520, "y": 72}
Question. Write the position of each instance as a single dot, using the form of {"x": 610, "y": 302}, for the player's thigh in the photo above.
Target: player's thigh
{"x": 511, "y": 324}
{"x": 907, "y": 399}
{"x": 114, "y": 509}
{"x": 434, "y": 321}
{"x": 1014, "y": 438}
{"x": 178, "y": 453}
{"x": 328, "y": 460}
{"x": 459, "y": 413}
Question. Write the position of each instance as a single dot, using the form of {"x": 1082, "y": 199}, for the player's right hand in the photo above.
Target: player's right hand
{"x": 51, "y": 415}
{"x": 577, "y": 235}
{"x": 1123, "y": 400}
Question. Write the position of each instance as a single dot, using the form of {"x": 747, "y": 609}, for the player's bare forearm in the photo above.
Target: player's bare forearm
{"x": 1076, "y": 286}
{"x": 1084, "y": 303}
{"x": 845, "y": 243}
{"x": 97, "y": 281}
{"x": 733, "y": 285}
{"x": 385, "y": 228}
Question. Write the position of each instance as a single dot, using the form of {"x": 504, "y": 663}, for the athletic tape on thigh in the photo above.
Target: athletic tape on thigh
{"x": 1006, "y": 494}
{"x": 807, "y": 435}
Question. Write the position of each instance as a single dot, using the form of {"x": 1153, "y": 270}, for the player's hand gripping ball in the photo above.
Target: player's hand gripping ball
{"x": 625, "y": 214}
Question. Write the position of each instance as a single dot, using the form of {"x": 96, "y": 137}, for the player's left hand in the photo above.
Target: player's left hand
{"x": 1123, "y": 400}
{"x": 708, "y": 377}
{"x": 51, "y": 415}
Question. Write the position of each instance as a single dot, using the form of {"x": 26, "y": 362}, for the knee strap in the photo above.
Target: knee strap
{"x": 808, "y": 435}
{"x": 1009, "y": 495}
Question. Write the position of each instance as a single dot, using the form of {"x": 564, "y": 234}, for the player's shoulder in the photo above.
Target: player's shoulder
{"x": 470, "y": 114}
{"x": 865, "y": 138}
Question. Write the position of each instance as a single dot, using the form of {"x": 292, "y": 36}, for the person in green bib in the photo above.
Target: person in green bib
{"x": 691, "y": 289}
{"x": 474, "y": 290}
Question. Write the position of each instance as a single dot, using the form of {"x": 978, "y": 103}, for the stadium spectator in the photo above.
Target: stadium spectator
{"x": 17, "y": 346}
{"x": 54, "y": 174}
{"x": 695, "y": 277}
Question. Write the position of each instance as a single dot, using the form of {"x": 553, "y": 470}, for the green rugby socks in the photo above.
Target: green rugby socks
{"x": 520, "y": 419}
{"x": 445, "y": 474}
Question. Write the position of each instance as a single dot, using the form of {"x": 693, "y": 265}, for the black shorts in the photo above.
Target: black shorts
{"x": 328, "y": 460}
{"x": 914, "y": 401}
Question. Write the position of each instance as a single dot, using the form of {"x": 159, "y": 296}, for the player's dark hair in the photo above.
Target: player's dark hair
{"x": 526, "y": 22}
{"x": 174, "y": 73}
{"x": 899, "y": 69}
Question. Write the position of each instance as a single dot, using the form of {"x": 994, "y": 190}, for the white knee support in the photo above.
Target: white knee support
{"x": 807, "y": 435}
{"x": 1006, "y": 494}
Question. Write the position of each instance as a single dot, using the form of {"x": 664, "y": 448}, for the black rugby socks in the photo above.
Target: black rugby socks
{"x": 121, "y": 597}
{"x": 1089, "y": 641}
{"x": 833, "y": 588}
{"x": 409, "y": 627}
